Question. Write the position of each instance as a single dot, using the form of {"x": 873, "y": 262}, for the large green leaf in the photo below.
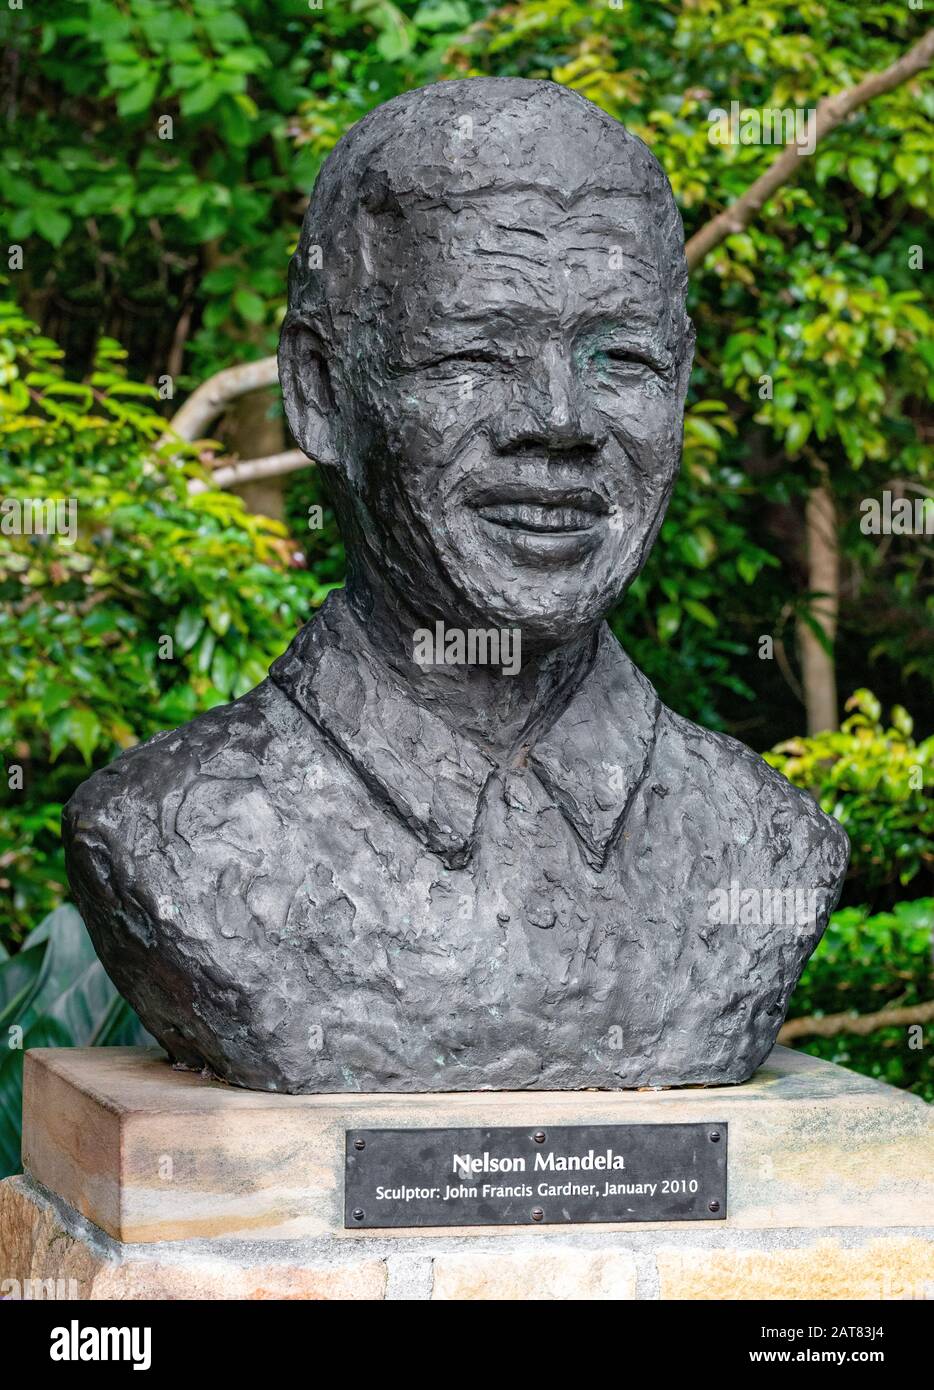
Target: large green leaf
{"x": 19, "y": 975}
{"x": 69, "y": 954}
{"x": 58, "y": 993}
{"x": 119, "y": 1027}
{"x": 44, "y": 1033}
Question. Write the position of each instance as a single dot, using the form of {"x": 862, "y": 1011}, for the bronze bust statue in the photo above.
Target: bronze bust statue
{"x": 455, "y": 841}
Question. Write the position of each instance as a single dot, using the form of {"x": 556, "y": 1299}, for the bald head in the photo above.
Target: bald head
{"x": 425, "y": 164}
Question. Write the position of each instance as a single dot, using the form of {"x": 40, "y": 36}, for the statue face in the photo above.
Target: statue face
{"x": 514, "y": 409}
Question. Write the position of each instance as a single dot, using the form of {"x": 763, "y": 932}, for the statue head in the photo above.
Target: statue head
{"x": 487, "y": 351}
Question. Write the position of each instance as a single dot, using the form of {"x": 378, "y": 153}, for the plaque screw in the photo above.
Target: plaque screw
{"x": 537, "y": 1214}
{"x": 359, "y": 1214}
{"x": 539, "y": 1136}
{"x": 715, "y": 1137}
{"x": 713, "y": 1206}
{"x": 359, "y": 1143}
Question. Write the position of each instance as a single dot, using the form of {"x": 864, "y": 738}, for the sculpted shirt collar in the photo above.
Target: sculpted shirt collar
{"x": 590, "y": 760}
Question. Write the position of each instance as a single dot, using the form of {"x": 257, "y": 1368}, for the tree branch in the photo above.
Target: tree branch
{"x": 859, "y": 1024}
{"x": 207, "y": 402}
{"x": 830, "y": 112}
{"x": 251, "y": 470}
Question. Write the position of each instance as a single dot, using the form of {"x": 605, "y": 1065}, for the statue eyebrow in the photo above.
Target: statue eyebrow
{"x": 484, "y": 314}
{"x": 448, "y": 332}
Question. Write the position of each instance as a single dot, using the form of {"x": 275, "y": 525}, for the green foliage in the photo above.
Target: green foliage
{"x": 872, "y": 778}
{"x": 832, "y": 351}
{"x": 818, "y": 294}
{"x": 671, "y": 621}
{"x": 162, "y": 151}
{"x": 865, "y": 964}
{"x": 163, "y": 604}
{"x": 813, "y": 359}
{"x": 311, "y": 521}
{"x": 53, "y": 993}
{"x": 868, "y": 962}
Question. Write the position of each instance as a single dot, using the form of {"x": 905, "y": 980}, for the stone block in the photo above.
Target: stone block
{"x": 146, "y": 1182}
{"x": 149, "y": 1153}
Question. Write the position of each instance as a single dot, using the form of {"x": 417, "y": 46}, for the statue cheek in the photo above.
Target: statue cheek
{"x": 648, "y": 421}
{"x": 431, "y": 423}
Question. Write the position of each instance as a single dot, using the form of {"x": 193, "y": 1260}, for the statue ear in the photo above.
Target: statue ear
{"x": 306, "y": 391}
{"x": 687, "y": 354}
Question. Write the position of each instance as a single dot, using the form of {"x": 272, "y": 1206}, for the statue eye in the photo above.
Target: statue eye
{"x": 628, "y": 356}
{"x": 470, "y": 359}
{"x": 637, "y": 359}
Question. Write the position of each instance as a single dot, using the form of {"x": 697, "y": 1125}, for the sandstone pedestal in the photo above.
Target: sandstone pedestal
{"x": 145, "y": 1182}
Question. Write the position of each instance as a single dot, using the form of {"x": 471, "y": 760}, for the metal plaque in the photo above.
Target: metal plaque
{"x": 527, "y": 1177}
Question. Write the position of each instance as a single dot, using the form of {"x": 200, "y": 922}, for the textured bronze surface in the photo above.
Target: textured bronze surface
{"x": 373, "y": 874}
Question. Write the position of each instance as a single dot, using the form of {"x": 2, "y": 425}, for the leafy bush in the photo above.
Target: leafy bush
{"x": 866, "y": 964}
{"x": 674, "y": 621}
{"x": 175, "y": 241}
{"x": 257, "y": 91}
{"x": 54, "y": 993}
{"x": 871, "y": 777}
{"x": 163, "y": 603}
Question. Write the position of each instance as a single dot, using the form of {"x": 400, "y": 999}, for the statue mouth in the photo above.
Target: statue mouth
{"x": 541, "y": 510}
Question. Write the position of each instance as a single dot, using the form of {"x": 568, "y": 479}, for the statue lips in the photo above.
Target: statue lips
{"x": 542, "y": 524}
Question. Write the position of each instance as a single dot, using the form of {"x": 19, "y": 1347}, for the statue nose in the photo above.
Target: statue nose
{"x": 551, "y": 412}
{"x": 571, "y": 425}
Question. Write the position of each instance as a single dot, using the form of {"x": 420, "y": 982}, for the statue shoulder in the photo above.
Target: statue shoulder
{"x": 179, "y": 851}
{"x": 739, "y": 787}
{"x": 153, "y": 803}
{"x": 147, "y": 775}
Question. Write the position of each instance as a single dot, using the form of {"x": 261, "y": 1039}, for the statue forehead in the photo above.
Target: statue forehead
{"x": 463, "y": 137}
{"x": 519, "y": 180}
{"x": 531, "y": 221}
{"x": 524, "y": 256}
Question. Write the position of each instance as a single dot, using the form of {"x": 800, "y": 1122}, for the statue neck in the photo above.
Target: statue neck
{"x": 484, "y": 701}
